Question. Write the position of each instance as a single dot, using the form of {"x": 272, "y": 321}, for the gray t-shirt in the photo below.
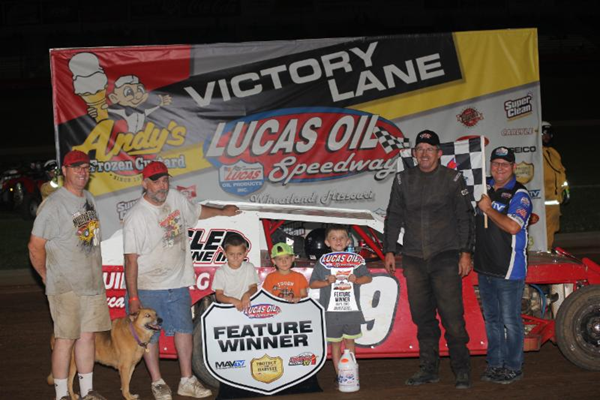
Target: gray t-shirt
{"x": 159, "y": 236}
{"x": 71, "y": 228}
{"x": 354, "y": 317}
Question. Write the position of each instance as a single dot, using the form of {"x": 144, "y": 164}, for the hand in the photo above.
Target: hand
{"x": 465, "y": 264}
{"x": 230, "y": 210}
{"x": 245, "y": 301}
{"x": 331, "y": 279}
{"x": 389, "y": 263}
{"x": 134, "y": 306}
{"x": 484, "y": 203}
{"x": 165, "y": 100}
{"x": 238, "y": 305}
{"x": 352, "y": 278}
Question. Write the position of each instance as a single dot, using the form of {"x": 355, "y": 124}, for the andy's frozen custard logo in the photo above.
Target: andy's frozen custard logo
{"x": 122, "y": 141}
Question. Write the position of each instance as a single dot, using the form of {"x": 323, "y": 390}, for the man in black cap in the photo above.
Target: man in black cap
{"x": 500, "y": 260}
{"x": 432, "y": 204}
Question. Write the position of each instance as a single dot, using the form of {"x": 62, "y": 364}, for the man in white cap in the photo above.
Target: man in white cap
{"x": 158, "y": 270}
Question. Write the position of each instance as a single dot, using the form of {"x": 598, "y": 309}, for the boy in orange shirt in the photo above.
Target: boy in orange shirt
{"x": 285, "y": 283}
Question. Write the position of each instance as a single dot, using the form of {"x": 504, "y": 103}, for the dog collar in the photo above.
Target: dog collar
{"x": 133, "y": 332}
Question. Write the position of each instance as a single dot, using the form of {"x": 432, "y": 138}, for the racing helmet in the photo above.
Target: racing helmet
{"x": 50, "y": 165}
{"x": 546, "y": 128}
{"x": 315, "y": 244}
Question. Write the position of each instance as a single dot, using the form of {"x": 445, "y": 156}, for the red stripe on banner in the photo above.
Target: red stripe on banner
{"x": 155, "y": 66}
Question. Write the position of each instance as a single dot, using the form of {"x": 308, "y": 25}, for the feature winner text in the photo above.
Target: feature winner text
{"x": 263, "y": 336}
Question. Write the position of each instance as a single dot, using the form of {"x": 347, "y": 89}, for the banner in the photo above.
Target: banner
{"x": 268, "y": 347}
{"x": 310, "y": 122}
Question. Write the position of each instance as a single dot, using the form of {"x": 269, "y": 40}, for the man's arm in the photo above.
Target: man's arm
{"x": 206, "y": 212}
{"x": 37, "y": 255}
{"x": 131, "y": 281}
{"x": 504, "y": 222}
{"x": 393, "y": 224}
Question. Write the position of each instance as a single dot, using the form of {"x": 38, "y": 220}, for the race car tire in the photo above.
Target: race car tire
{"x": 29, "y": 207}
{"x": 577, "y": 327}
{"x": 198, "y": 363}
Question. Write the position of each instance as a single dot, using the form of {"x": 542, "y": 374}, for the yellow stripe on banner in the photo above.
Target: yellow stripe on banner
{"x": 193, "y": 156}
{"x": 491, "y": 61}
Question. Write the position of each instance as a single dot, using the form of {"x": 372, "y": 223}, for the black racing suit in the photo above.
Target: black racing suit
{"x": 435, "y": 211}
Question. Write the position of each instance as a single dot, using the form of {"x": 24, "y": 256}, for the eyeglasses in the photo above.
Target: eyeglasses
{"x": 80, "y": 168}
{"x": 501, "y": 165}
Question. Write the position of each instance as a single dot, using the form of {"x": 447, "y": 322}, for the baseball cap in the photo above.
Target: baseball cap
{"x": 155, "y": 170}
{"x": 503, "y": 153}
{"x": 75, "y": 158}
{"x": 281, "y": 249}
{"x": 427, "y": 136}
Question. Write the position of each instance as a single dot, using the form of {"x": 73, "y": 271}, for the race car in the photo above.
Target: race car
{"x": 560, "y": 302}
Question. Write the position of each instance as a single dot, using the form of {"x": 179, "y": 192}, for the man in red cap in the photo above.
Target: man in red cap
{"x": 64, "y": 249}
{"x": 158, "y": 270}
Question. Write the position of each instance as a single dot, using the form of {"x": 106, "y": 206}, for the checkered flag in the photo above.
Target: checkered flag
{"x": 466, "y": 156}
{"x": 390, "y": 142}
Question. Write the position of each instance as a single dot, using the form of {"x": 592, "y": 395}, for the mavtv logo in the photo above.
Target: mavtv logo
{"x": 230, "y": 364}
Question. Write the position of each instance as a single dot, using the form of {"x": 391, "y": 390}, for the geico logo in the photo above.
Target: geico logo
{"x": 524, "y": 149}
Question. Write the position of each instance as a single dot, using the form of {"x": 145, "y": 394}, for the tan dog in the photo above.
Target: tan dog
{"x": 122, "y": 347}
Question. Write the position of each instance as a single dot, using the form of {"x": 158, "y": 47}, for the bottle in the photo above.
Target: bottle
{"x": 351, "y": 248}
{"x": 348, "y": 373}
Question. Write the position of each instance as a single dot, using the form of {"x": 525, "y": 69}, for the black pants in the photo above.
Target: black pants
{"x": 435, "y": 285}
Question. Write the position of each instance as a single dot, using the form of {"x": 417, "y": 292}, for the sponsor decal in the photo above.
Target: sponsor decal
{"x": 241, "y": 178}
{"x": 206, "y": 246}
{"x": 499, "y": 207}
{"x": 304, "y": 359}
{"x": 517, "y": 131}
{"x": 524, "y": 149}
{"x": 236, "y": 364}
{"x": 188, "y": 192}
{"x": 521, "y": 212}
{"x": 123, "y": 207}
{"x": 524, "y": 172}
{"x": 534, "y": 193}
{"x": 304, "y": 145}
{"x": 525, "y": 201}
{"x": 341, "y": 260}
{"x": 262, "y": 311}
{"x": 518, "y": 107}
{"x": 506, "y": 195}
{"x": 470, "y": 117}
{"x": 267, "y": 369}
{"x": 534, "y": 218}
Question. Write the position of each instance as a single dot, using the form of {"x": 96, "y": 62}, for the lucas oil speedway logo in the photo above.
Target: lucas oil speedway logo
{"x": 122, "y": 142}
{"x": 302, "y": 145}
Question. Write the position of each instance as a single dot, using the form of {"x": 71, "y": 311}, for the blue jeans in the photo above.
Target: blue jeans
{"x": 173, "y": 306}
{"x": 502, "y": 305}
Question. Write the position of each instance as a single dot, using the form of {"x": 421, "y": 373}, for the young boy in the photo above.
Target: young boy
{"x": 285, "y": 283}
{"x": 339, "y": 325}
{"x": 235, "y": 281}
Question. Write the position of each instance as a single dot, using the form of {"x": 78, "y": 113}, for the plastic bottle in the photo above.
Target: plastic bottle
{"x": 350, "y": 248}
{"x": 348, "y": 373}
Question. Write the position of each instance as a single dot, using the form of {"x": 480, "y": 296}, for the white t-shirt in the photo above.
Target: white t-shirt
{"x": 159, "y": 236}
{"x": 235, "y": 282}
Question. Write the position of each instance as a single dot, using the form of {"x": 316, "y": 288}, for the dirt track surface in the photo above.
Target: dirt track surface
{"x": 24, "y": 342}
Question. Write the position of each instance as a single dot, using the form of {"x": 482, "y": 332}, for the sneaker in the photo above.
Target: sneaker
{"x": 93, "y": 395}
{"x": 161, "y": 390}
{"x": 490, "y": 373}
{"x": 193, "y": 388}
{"x": 422, "y": 376}
{"x": 507, "y": 376}
{"x": 463, "y": 381}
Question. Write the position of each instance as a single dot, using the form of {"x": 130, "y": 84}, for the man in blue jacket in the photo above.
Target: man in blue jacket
{"x": 500, "y": 260}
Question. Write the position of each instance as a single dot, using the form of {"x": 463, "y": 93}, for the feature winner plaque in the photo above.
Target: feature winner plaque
{"x": 266, "y": 348}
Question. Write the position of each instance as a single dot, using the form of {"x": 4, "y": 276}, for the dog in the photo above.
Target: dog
{"x": 121, "y": 348}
